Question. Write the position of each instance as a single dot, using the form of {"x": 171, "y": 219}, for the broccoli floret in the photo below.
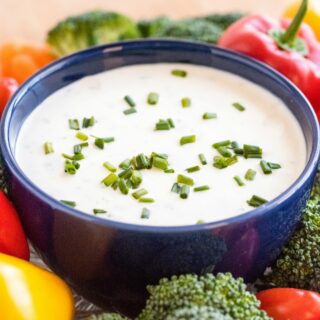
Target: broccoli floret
{"x": 107, "y": 316}
{"x": 90, "y": 29}
{"x": 223, "y": 20}
{"x": 148, "y": 28}
{"x": 221, "y": 292}
{"x": 197, "y": 313}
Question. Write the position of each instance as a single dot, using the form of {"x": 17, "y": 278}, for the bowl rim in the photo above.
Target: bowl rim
{"x": 147, "y": 44}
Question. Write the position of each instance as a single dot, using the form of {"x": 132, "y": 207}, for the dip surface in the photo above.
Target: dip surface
{"x": 266, "y": 122}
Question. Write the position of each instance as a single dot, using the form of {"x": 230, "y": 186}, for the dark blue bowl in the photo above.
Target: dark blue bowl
{"x": 111, "y": 262}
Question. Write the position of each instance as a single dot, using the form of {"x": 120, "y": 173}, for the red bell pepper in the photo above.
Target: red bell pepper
{"x": 290, "y": 304}
{"x": 12, "y": 238}
{"x": 7, "y": 88}
{"x": 292, "y": 49}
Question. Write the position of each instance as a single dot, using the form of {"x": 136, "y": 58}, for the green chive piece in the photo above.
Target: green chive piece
{"x": 129, "y": 111}
{"x": 129, "y": 101}
{"x": 169, "y": 171}
{"x": 69, "y": 203}
{"x": 126, "y": 174}
{"x": 184, "y": 192}
{"x": 145, "y": 214}
{"x": 99, "y": 211}
{"x": 224, "y": 152}
{"x": 265, "y": 167}
{"x": 201, "y": 188}
{"x": 256, "y": 201}
{"x": 109, "y": 166}
{"x": 136, "y": 179}
{"x": 179, "y": 73}
{"x": 160, "y": 155}
{"x": 209, "y": 115}
{"x": 88, "y": 122}
{"x": 123, "y": 186}
{"x": 235, "y": 145}
{"x": 115, "y": 185}
{"x": 171, "y": 123}
{"x": 84, "y": 144}
{"x": 160, "y": 163}
{"x": 239, "y": 106}
{"x": 77, "y": 157}
{"x": 185, "y": 102}
{"x": 162, "y": 125}
{"x": 76, "y": 164}
{"x": 129, "y": 184}
{"x": 250, "y": 175}
{"x": 176, "y": 188}
{"x": 202, "y": 159}
{"x": 66, "y": 156}
{"x": 185, "y": 180}
{"x": 239, "y": 181}
{"x": 139, "y": 193}
{"x": 187, "y": 139}
{"x": 74, "y": 124}
{"x": 250, "y": 151}
{"x": 224, "y": 143}
{"x": 146, "y": 200}
{"x": 221, "y": 162}
{"x": 193, "y": 169}
{"x": 239, "y": 151}
{"x": 274, "y": 166}
{"x": 110, "y": 179}
{"x": 48, "y": 148}
{"x": 77, "y": 149}
{"x": 125, "y": 164}
{"x": 153, "y": 98}
{"x": 99, "y": 143}
{"x": 70, "y": 168}
{"x": 82, "y": 136}
{"x": 141, "y": 161}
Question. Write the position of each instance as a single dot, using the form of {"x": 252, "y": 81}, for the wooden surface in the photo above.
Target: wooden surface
{"x": 31, "y": 19}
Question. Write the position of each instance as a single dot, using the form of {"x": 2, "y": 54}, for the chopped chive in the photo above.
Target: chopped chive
{"x": 202, "y": 159}
{"x": 99, "y": 211}
{"x": 185, "y": 102}
{"x": 123, "y": 186}
{"x": 66, "y": 156}
{"x": 109, "y": 166}
{"x": 84, "y": 144}
{"x": 239, "y": 181}
{"x": 69, "y": 203}
{"x": 171, "y": 123}
{"x": 185, "y": 180}
{"x": 265, "y": 167}
{"x": 201, "y": 188}
{"x": 77, "y": 149}
{"x": 70, "y": 168}
{"x": 274, "y": 166}
{"x": 160, "y": 155}
{"x": 250, "y": 175}
{"x": 238, "y": 151}
{"x": 139, "y": 193}
{"x": 146, "y": 200}
{"x": 136, "y": 179}
{"x": 82, "y": 136}
{"x": 145, "y": 214}
{"x": 110, "y": 179}
{"x": 169, "y": 170}
{"x": 179, "y": 73}
{"x": 77, "y": 157}
{"x": 129, "y": 101}
{"x": 115, "y": 185}
{"x": 176, "y": 188}
{"x": 256, "y": 201}
{"x": 126, "y": 174}
{"x": 235, "y": 145}
{"x": 184, "y": 192}
{"x": 129, "y": 111}
{"x": 108, "y": 139}
{"x": 99, "y": 142}
{"x": 160, "y": 163}
{"x": 187, "y": 139}
{"x": 250, "y": 151}
{"x": 224, "y": 152}
{"x": 88, "y": 122}
{"x": 239, "y": 106}
{"x": 74, "y": 124}
{"x": 125, "y": 164}
{"x": 209, "y": 115}
{"x": 193, "y": 169}
{"x": 162, "y": 125}
{"x": 48, "y": 148}
{"x": 76, "y": 164}
{"x": 221, "y": 162}
{"x": 223, "y": 143}
{"x": 129, "y": 184}
{"x": 153, "y": 98}
{"x": 141, "y": 161}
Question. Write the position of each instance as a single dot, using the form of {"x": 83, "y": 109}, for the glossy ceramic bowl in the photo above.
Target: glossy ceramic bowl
{"x": 111, "y": 262}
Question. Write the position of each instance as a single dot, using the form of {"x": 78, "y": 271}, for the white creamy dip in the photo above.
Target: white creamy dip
{"x": 266, "y": 122}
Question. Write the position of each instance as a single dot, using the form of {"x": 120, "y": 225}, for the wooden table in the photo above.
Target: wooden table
{"x": 31, "y": 19}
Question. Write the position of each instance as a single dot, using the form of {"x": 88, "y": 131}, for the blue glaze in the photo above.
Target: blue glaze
{"x": 111, "y": 262}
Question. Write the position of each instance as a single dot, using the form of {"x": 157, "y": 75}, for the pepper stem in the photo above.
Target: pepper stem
{"x": 294, "y": 27}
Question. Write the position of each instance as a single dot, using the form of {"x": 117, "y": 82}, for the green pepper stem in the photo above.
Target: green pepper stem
{"x": 294, "y": 27}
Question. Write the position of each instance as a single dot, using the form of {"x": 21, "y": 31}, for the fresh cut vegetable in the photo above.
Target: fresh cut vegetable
{"x": 7, "y": 88}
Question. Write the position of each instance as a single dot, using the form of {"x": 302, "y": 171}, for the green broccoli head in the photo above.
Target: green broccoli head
{"x": 90, "y": 29}
{"x": 107, "y": 316}
{"x": 223, "y": 20}
{"x": 221, "y": 292}
{"x": 148, "y": 28}
{"x": 196, "y": 313}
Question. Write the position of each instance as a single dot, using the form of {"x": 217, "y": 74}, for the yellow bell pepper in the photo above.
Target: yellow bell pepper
{"x": 312, "y": 18}
{"x": 28, "y": 292}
